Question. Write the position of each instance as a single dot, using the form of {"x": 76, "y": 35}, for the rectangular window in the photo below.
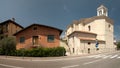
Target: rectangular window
{"x": 50, "y": 38}
{"x": 22, "y": 39}
{"x": 73, "y": 50}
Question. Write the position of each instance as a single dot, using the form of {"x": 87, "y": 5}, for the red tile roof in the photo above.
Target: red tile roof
{"x": 39, "y": 25}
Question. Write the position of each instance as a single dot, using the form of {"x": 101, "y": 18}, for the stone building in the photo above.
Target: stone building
{"x": 91, "y": 35}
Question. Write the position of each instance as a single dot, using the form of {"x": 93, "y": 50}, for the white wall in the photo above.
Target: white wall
{"x": 71, "y": 43}
{"x": 109, "y": 35}
{"x": 98, "y": 27}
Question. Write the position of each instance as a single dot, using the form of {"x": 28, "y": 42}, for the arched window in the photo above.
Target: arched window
{"x": 89, "y": 28}
{"x": 109, "y": 27}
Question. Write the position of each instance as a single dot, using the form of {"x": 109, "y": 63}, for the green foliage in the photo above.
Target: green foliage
{"x": 1, "y": 51}
{"x": 41, "y": 52}
{"x": 118, "y": 45}
{"x": 8, "y": 45}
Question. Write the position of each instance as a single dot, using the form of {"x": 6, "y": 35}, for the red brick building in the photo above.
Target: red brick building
{"x": 37, "y": 35}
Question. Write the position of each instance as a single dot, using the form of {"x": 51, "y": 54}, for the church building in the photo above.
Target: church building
{"x": 91, "y": 35}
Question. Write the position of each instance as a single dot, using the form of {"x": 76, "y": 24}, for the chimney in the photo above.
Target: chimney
{"x": 13, "y": 19}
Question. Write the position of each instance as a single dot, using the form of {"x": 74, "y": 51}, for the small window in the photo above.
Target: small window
{"x": 89, "y": 43}
{"x": 50, "y": 38}
{"x": 34, "y": 28}
{"x": 73, "y": 50}
{"x": 22, "y": 39}
{"x": 89, "y": 28}
{"x": 109, "y": 26}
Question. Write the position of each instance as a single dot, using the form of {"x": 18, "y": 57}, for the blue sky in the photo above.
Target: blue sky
{"x": 57, "y": 13}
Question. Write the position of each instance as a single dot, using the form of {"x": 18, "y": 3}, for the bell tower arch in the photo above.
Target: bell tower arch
{"x": 102, "y": 11}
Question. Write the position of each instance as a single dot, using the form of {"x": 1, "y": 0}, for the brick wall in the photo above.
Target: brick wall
{"x": 42, "y": 33}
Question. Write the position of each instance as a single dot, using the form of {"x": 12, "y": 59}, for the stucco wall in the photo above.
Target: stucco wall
{"x": 98, "y": 27}
{"x": 85, "y": 46}
{"x": 109, "y": 35}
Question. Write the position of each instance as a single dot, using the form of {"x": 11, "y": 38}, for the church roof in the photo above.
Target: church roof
{"x": 102, "y": 6}
{"x": 89, "y": 20}
{"x": 90, "y": 39}
{"x": 86, "y": 32}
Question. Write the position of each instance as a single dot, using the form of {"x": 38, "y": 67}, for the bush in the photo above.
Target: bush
{"x": 41, "y": 52}
{"x": 35, "y": 52}
{"x": 18, "y": 53}
{"x": 118, "y": 46}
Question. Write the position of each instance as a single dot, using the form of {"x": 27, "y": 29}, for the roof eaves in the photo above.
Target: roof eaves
{"x": 39, "y": 25}
{"x": 81, "y": 32}
{"x": 11, "y": 22}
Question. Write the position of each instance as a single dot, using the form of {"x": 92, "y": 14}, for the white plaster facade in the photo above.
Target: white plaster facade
{"x": 82, "y": 34}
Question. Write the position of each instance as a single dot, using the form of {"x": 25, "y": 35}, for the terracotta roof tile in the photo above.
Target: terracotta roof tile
{"x": 39, "y": 25}
{"x": 90, "y": 39}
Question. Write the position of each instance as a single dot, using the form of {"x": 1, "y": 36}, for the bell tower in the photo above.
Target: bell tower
{"x": 102, "y": 11}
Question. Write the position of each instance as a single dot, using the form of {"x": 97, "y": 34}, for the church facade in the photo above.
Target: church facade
{"x": 91, "y": 35}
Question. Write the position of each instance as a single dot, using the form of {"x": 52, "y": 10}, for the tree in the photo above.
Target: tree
{"x": 8, "y": 45}
{"x": 118, "y": 46}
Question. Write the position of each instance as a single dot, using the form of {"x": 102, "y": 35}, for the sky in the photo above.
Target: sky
{"x": 57, "y": 13}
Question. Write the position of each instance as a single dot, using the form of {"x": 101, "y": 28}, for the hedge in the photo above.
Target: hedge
{"x": 40, "y": 52}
